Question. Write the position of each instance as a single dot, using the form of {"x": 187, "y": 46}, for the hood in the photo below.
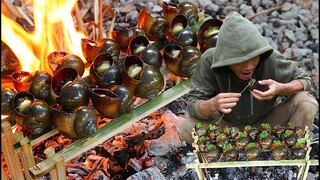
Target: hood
{"x": 239, "y": 41}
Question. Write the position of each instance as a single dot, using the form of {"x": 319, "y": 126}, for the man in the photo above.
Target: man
{"x": 219, "y": 83}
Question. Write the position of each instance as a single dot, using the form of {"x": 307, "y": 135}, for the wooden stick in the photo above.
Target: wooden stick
{"x": 263, "y": 12}
{"x": 61, "y": 168}
{"x": 50, "y": 152}
{"x": 18, "y": 136}
{"x": 96, "y": 17}
{"x": 10, "y": 156}
{"x": 12, "y": 9}
{"x": 102, "y": 35}
{"x": 27, "y": 150}
{"x": 79, "y": 20}
{"x": 26, "y": 17}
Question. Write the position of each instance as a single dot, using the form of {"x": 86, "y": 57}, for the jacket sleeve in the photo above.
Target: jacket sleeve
{"x": 291, "y": 70}
{"x": 203, "y": 85}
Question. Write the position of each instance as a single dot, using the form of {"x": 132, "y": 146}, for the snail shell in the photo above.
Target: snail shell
{"x": 180, "y": 32}
{"x": 79, "y": 123}
{"x": 148, "y": 83}
{"x": 60, "y": 59}
{"x": 40, "y": 86}
{"x": 181, "y": 60}
{"x": 68, "y": 89}
{"x": 113, "y": 102}
{"x": 149, "y": 53}
{"x": 7, "y": 95}
{"x": 124, "y": 36}
{"x": 189, "y": 10}
{"x": 208, "y": 34}
{"x": 30, "y": 113}
{"x": 21, "y": 80}
{"x": 154, "y": 27}
{"x": 105, "y": 76}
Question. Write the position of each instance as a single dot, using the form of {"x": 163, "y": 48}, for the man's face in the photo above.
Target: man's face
{"x": 245, "y": 70}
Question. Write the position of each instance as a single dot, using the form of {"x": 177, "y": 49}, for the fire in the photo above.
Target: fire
{"x": 54, "y": 31}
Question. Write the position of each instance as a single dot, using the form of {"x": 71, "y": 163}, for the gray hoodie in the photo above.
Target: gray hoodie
{"x": 238, "y": 42}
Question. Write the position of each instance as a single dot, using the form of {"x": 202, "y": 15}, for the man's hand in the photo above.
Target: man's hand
{"x": 224, "y": 102}
{"x": 274, "y": 89}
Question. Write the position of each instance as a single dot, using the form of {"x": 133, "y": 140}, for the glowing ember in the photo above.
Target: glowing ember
{"x": 54, "y": 31}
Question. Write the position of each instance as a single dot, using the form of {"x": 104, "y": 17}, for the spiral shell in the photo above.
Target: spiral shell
{"x": 79, "y": 123}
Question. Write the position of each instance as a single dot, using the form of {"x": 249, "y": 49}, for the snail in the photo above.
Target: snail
{"x": 112, "y": 102}
{"x": 7, "y": 95}
{"x": 68, "y": 89}
{"x": 143, "y": 80}
{"x": 181, "y": 61}
{"x": 60, "y": 59}
{"x": 21, "y": 80}
{"x": 154, "y": 27}
{"x": 40, "y": 86}
{"x": 79, "y": 123}
{"x": 31, "y": 113}
{"x": 104, "y": 72}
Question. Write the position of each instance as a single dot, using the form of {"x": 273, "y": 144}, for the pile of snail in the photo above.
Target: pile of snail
{"x": 217, "y": 144}
{"x": 73, "y": 103}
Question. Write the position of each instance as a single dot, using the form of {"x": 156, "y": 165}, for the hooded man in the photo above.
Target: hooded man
{"x": 220, "y": 80}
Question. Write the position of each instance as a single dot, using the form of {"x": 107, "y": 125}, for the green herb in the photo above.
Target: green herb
{"x": 247, "y": 128}
{"x": 263, "y": 134}
{"x": 212, "y": 127}
{"x": 251, "y": 145}
{"x": 202, "y": 138}
{"x": 227, "y": 147}
{"x": 198, "y": 125}
{"x": 210, "y": 146}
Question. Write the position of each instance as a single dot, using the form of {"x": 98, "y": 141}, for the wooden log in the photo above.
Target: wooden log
{"x": 50, "y": 152}
{"x": 10, "y": 156}
{"x": 107, "y": 131}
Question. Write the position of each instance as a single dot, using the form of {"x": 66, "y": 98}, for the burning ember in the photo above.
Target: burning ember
{"x": 54, "y": 30}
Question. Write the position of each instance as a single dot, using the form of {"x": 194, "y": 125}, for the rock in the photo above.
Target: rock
{"x": 150, "y": 173}
{"x": 167, "y": 143}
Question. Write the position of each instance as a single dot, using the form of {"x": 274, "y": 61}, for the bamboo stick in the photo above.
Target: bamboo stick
{"x": 35, "y": 139}
{"x": 50, "y": 152}
{"x": 60, "y": 167}
{"x": 27, "y": 151}
{"x": 107, "y": 131}
{"x": 254, "y": 163}
{"x": 10, "y": 156}
{"x": 18, "y": 136}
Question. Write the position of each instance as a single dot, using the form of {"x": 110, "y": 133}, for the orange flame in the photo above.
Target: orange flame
{"x": 54, "y": 31}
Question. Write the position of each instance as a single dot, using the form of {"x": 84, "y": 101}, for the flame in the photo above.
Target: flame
{"x": 54, "y": 31}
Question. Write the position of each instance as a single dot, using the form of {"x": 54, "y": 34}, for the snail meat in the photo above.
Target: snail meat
{"x": 134, "y": 70}
{"x": 211, "y": 31}
{"x": 23, "y": 104}
{"x": 24, "y": 79}
{"x": 102, "y": 67}
{"x": 177, "y": 28}
{"x": 139, "y": 48}
{"x": 175, "y": 53}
